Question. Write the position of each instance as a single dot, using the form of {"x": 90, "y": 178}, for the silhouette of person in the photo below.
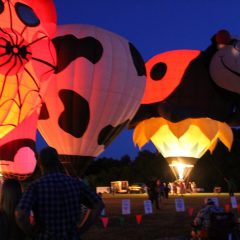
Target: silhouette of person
{"x": 11, "y": 194}
{"x": 56, "y": 201}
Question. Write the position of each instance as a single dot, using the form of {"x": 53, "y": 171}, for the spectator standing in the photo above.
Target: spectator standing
{"x": 175, "y": 187}
{"x": 11, "y": 193}
{"x": 162, "y": 190}
{"x": 231, "y": 186}
{"x": 153, "y": 192}
{"x": 158, "y": 192}
{"x": 166, "y": 189}
{"x": 202, "y": 220}
{"x": 56, "y": 201}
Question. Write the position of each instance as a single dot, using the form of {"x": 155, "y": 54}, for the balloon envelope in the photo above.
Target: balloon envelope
{"x": 100, "y": 80}
{"x": 185, "y": 84}
{"x": 46, "y": 11}
{"x": 17, "y": 150}
{"x": 27, "y": 61}
{"x": 184, "y": 142}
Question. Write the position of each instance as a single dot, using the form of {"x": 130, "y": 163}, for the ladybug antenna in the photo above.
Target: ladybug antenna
{"x": 222, "y": 37}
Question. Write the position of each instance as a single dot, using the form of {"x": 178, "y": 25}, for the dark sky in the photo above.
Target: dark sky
{"x": 153, "y": 26}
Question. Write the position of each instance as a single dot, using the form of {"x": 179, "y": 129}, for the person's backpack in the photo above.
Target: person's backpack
{"x": 221, "y": 225}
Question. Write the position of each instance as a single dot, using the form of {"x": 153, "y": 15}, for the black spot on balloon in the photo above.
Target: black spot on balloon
{"x": 137, "y": 60}
{"x": 44, "y": 114}
{"x": 1, "y": 6}
{"x": 26, "y": 15}
{"x": 76, "y": 115}
{"x": 108, "y": 133}
{"x": 9, "y": 150}
{"x": 69, "y": 48}
{"x": 158, "y": 71}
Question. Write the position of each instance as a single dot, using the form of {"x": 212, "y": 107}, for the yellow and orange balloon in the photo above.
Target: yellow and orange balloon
{"x": 184, "y": 142}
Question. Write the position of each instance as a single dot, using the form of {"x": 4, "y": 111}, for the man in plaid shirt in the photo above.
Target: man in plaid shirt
{"x": 56, "y": 201}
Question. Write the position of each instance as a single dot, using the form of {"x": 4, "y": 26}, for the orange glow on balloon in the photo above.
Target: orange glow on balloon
{"x": 46, "y": 12}
{"x": 27, "y": 59}
{"x": 164, "y": 73}
{"x": 17, "y": 150}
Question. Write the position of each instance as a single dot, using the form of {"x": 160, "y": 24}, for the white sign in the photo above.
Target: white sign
{"x": 148, "y": 207}
{"x": 234, "y": 202}
{"x": 126, "y": 209}
{"x": 180, "y": 206}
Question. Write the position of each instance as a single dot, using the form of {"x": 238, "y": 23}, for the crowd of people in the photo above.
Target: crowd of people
{"x": 60, "y": 207}
{"x": 182, "y": 187}
{"x": 157, "y": 189}
{"x": 50, "y": 208}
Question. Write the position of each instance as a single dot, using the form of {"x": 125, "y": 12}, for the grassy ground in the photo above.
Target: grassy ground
{"x": 165, "y": 223}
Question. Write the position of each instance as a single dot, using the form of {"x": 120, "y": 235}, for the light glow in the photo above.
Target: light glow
{"x": 181, "y": 170}
{"x": 186, "y": 140}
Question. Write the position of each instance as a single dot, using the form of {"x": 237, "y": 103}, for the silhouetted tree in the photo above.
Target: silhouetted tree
{"x": 209, "y": 171}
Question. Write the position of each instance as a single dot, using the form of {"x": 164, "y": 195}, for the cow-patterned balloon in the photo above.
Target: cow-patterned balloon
{"x": 99, "y": 85}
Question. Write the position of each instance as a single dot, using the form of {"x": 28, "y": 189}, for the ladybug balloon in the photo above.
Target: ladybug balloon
{"x": 27, "y": 58}
{"x": 100, "y": 80}
{"x": 185, "y": 84}
{"x": 189, "y": 99}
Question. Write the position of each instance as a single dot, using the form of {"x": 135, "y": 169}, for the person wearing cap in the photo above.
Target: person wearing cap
{"x": 202, "y": 220}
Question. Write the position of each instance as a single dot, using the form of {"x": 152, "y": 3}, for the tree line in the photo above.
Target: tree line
{"x": 208, "y": 172}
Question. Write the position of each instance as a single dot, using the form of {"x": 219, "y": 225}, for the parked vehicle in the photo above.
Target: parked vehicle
{"x": 137, "y": 188}
{"x": 103, "y": 189}
{"x": 119, "y": 187}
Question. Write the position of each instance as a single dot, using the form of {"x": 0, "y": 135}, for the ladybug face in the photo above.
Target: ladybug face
{"x": 26, "y": 60}
{"x": 225, "y": 64}
{"x": 186, "y": 84}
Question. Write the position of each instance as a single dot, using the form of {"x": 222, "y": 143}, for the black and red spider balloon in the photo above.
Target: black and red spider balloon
{"x": 27, "y": 61}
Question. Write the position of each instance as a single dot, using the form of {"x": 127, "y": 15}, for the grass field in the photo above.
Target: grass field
{"x": 165, "y": 223}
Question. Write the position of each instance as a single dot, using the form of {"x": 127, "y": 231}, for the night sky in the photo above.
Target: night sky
{"x": 153, "y": 26}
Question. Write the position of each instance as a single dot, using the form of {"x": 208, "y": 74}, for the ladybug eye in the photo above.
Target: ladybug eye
{"x": 158, "y": 71}
{"x": 1, "y": 6}
{"x": 26, "y": 15}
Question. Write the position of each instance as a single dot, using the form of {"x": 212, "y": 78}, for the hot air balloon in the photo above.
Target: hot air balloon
{"x": 17, "y": 150}
{"x": 184, "y": 142}
{"x": 100, "y": 80}
{"x": 194, "y": 84}
{"x": 27, "y": 58}
{"x": 187, "y": 105}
